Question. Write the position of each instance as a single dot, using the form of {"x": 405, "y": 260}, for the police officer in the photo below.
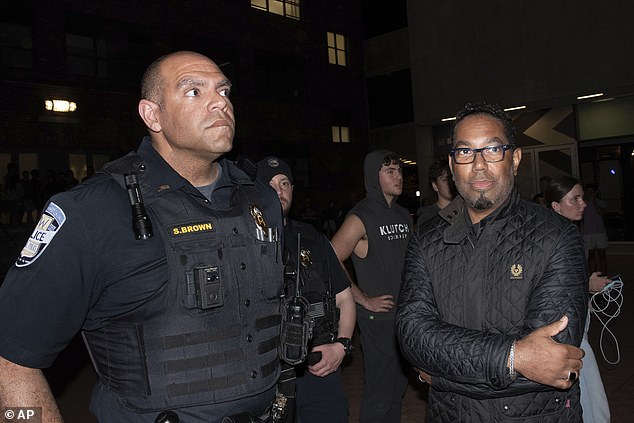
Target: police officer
{"x": 319, "y": 389}
{"x": 178, "y": 300}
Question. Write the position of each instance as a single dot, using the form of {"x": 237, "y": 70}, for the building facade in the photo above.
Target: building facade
{"x": 296, "y": 69}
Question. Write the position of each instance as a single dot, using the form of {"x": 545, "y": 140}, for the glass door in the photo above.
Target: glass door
{"x": 545, "y": 161}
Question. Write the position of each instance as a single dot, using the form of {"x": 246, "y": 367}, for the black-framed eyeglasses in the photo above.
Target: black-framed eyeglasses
{"x": 491, "y": 153}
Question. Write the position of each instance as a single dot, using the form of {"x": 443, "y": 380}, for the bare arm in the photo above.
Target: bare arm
{"x": 351, "y": 237}
{"x": 347, "y": 318}
{"x": 25, "y": 387}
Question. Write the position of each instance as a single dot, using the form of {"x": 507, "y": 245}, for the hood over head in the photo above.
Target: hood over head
{"x": 371, "y": 167}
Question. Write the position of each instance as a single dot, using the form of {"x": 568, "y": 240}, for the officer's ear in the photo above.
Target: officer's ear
{"x": 150, "y": 112}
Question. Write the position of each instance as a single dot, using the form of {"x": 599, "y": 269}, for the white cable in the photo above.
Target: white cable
{"x": 606, "y": 304}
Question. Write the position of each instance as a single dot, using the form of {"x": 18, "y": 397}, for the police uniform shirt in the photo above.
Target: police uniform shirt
{"x": 88, "y": 267}
{"x": 321, "y": 253}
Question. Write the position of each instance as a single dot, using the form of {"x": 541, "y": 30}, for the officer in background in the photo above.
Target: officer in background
{"x": 319, "y": 389}
{"x": 178, "y": 300}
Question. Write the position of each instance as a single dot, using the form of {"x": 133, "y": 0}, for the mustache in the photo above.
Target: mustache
{"x": 474, "y": 180}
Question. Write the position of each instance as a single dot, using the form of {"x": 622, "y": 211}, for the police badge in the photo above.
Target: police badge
{"x": 262, "y": 231}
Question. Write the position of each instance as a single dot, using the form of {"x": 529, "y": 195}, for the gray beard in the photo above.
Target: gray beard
{"x": 481, "y": 203}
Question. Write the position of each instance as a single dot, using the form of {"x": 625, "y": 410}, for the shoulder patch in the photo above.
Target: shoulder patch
{"x": 51, "y": 221}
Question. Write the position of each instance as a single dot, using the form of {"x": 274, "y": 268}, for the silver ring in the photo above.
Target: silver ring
{"x": 421, "y": 379}
{"x": 572, "y": 376}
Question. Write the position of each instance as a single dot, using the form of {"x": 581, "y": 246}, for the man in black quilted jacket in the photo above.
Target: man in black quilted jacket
{"x": 493, "y": 301}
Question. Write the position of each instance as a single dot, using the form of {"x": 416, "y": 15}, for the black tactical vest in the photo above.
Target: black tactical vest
{"x": 315, "y": 280}
{"x": 210, "y": 334}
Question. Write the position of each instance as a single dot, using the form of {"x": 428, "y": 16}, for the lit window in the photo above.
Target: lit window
{"x": 288, "y": 8}
{"x": 336, "y": 49}
{"x": 340, "y": 134}
{"x": 259, "y": 4}
{"x": 63, "y": 106}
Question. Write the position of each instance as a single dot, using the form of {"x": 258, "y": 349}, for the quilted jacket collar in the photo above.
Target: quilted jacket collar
{"x": 459, "y": 229}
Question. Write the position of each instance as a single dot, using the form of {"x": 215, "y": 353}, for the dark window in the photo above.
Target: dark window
{"x": 106, "y": 50}
{"x": 383, "y": 17}
{"x": 82, "y": 56}
{"x": 280, "y": 77}
{"x": 390, "y": 99}
{"x": 16, "y": 46}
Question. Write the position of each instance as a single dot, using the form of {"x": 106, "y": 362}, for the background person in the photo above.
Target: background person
{"x": 375, "y": 234}
{"x": 565, "y": 196}
{"x": 478, "y": 282}
{"x": 29, "y": 214}
{"x": 320, "y": 396}
{"x": 439, "y": 177}
{"x": 540, "y": 199}
{"x": 13, "y": 193}
{"x": 185, "y": 320}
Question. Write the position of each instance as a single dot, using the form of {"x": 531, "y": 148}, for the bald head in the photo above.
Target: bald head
{"x": 152, "y": 84}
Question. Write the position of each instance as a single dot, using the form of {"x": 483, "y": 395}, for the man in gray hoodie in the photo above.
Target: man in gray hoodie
{"x": 375, "y": 234}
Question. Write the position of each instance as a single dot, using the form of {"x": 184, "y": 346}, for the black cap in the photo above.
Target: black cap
{"x": 271, "y": 166}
